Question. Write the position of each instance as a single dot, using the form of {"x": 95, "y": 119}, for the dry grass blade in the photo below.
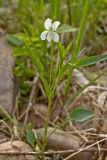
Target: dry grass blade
{"x": 72, "y": 155}
{"x": 30, "y": 98}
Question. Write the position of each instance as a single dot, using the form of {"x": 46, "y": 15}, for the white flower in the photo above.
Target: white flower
{"x": 50, "y": 32}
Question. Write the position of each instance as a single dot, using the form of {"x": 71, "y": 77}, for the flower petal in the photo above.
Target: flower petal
{"x": 48, "y": 23}
{"x": 49, "y": 36}
{"x": 55, "y": 25}
{"x": 43, "y": 35}
{"x": 55, "y": 37}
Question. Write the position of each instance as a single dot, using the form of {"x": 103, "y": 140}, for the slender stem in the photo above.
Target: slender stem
{"x": 46, "y": 125}
{"x": 50, "y": 97}
{"x": 51, "y": 64}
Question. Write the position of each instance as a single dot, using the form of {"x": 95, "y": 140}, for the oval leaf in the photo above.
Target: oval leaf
{"x": 81, "y": 114}
{"x": 31, "y": 138}
{"x": 14, "y": 40}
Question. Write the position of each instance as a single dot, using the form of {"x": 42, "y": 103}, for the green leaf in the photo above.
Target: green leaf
{"x": 64, "y": 51}
{"x": 2, "y": 110}
{"x": 91, "y": 60}
{"x": 14, "y": 40}
{"x": 22, "y": 70}
{"x": 46, "y": 86}
{"x": 66, "y": 28}
{"x": 78, "y": 43}
{"x": 61, "y": 50}
{"x": 81, "y": 114}
{"x": 19, "y": 52}
{"x": 37, "y": 61}
{"x": 31, "y": 138}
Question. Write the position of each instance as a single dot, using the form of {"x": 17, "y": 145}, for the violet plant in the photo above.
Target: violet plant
{"x": 47, "y": 57}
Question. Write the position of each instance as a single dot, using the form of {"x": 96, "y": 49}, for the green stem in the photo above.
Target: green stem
{"x": 51, "y": 64}
{"x": 50, "y": 97}
{"x": 46, "y": 125}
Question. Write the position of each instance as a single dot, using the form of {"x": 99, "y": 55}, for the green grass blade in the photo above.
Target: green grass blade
{"x": 42, "y": 7}
{"x": 78, "y": 43}
{"x": 55, "y": 8}
{"x": 2, "y": 110}
{"x": 91, "y": 60}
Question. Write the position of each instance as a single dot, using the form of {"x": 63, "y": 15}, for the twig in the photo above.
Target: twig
{"x": 16, "y": 106}
{"x": 85, "y": 130}
{"x": 84, "y": 149}
{"x": 56, "y": 152}
{"x": 77, "y": 132}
